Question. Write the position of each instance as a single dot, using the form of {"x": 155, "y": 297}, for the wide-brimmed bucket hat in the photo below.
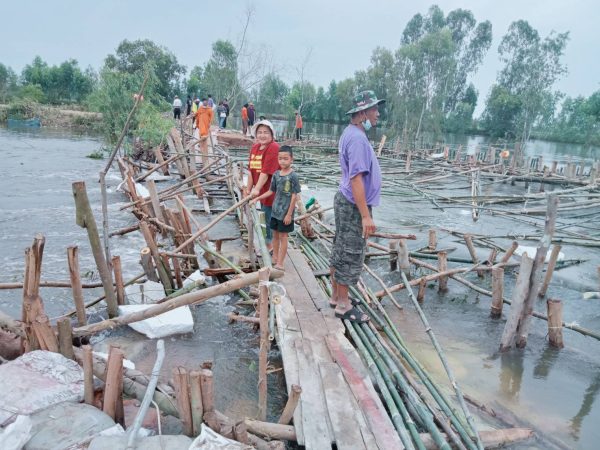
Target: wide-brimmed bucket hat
{"x": 265, "y": 123}
{"x": 364, "y": 100}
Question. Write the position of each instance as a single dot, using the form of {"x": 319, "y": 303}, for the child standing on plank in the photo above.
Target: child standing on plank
{"x": 285, "y": 184}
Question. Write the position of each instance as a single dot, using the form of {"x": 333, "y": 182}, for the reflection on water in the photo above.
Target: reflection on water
{"x": 545, "y": 362}
{"x": 586, "y": 407}
{"x": 511, "y": 374}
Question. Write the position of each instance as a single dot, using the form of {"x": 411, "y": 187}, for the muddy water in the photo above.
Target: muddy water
{"x": 36, "y": 173}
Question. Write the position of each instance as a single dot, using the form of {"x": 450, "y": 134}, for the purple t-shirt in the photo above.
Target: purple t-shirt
{"x": 357, "y": 156}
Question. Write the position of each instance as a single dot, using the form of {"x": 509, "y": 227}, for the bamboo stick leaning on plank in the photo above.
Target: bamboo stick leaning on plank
{"x": 85, "y": 219}
{"x": 183, "y": 300}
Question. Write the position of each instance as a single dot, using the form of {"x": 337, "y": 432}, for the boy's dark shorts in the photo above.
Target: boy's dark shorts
{"x": 281, "y": 227}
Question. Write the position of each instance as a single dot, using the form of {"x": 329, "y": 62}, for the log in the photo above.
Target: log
{"x": 518, "y": 301}
{"x": 164, "y": 276}
{"x": 74, "y": 275}
{"x": 125, "y": 230}
{"x": 382, "y": 235}
{"x": 151, "y": 186}
{"x": 550, "y": 269}
{"x": 290, "y": 406}
{"x": 442, "y": 267}
{"x": 88, "y": 375}
{"x": 33, "y": 305}
{"x": 240, "y": 433}
{"x": 44, "y": 333}
{"x": 147, "y": 265}
{"x": 555, "y": 335}
{"x": 113, "y": 388}
{"x": 85, "y": 219}
{"x": 161, "y": 161}
{"x": 65, "y": 338}
{"x": 263, "y": 305}
{"x": 271, "y": 430}
{"x": 196, "y": 401}
{"x": 236, "y": 317}
{"x": 182, "y": 393}
{"x": 497, "y": 292}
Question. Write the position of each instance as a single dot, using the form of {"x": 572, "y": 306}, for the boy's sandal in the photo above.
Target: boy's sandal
{"x": 353, "y": 315}
{"x": 353, "y": 302}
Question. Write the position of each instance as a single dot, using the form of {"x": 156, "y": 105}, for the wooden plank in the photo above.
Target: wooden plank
{"x": 308, "y": 279}
{"x": 337, "y": 396}
{"x": 314, "y": 410}
{"x": 364, "y": 392}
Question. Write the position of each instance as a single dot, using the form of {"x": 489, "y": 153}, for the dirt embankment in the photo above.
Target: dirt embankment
{"x": 61, "y": 117}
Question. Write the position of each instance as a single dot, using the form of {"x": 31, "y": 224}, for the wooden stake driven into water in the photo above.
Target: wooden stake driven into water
{"x": 73, "y": 259}
{"x": 182, "y": 393}
{"x": 263, "y": 302}
{"x": 85, "y": 219}
{"x": 555, "y": 335}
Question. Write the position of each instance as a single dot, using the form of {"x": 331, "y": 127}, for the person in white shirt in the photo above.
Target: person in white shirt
{"x": 177, "y": 107}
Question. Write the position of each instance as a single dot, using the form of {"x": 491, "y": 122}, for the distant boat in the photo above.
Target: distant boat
{"x": 33, "y": 122}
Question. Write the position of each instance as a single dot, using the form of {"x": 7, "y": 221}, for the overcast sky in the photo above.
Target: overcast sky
{"x": 341, "y": 33}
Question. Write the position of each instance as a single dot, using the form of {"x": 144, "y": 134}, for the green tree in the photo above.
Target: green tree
{"x": 272, "y": 93}
{"x": 501, "y": 112}
{"x": 8, "y": 83}
{"x": 531, "y": 67}
{"x": 219, "y": 75}
{"x": 133, "y": 57}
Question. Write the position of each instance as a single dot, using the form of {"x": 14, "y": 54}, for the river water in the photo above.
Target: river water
{"x": 555, "y": 391}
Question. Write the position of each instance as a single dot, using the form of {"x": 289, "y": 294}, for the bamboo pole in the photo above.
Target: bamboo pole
{"x": 290, "y": 406}
{"x": 116, "y": 264}
{"x": 271, "y": 430}
{"x": 442, "y": 267}
{"x": 393, "y": 244}
{"x": 74, "y": 275}
{"x": 85, "y": 219}
{"x": 207, "y": 391}
{"x": 164, "y": 277}
{"x": 105, "y": 218}
{"x": 517, "y": 303}
{"x": 196, "y": 401}
{"x": 147, "y": 265}
{"x": 161, "y": 161}
{"x": 88, "y": 375}
{"x": 432, "y": 240}
{"x": 263, "y": 302}
{"x": 403, "y": 255}
{"x": 65, "y": 338}
{"x": 550, "y": 269}
{"x": 469, "y": 241}
{"x": 182, "y": 393}
{"x": 113, "y": 389}
{"x": 555, "y": 335}
{"x": 421, "y": 293}
{"x": 497, "y": 292}
{"x": 509, "y": 252}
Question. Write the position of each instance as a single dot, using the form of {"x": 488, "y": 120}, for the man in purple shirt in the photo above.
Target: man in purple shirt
{"x": 360, "y": 188}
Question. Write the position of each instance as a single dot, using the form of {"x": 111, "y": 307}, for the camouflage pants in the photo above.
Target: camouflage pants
{"x": 348, "y": 253}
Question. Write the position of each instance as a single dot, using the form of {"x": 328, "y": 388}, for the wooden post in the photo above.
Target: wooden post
{"x": 553, "y": 167}
{"x": 116, "y": 263}
{"x": 492, "y": 257}
{"x": 555, "y": 336}
{"x": 432, "y": 240}
{"x": 393, "y": 255}
{"x": 160, "y": 160}
{"x": 113, "y": 388}
{"x": 442, "y": 267}
{"x": 403, "y": 255}
{"x": 421, "y": 293}
{"x": 263, "y": 304}
{"x": 88, "y": 375}
{"x": 518, "y": 302}
{"x": 147, "y": 265}
{"x": 196, "y": 401}
{"x": 550, "y": 270}
{"x": 509, "y": 252}
{"x": 74, "y": 275}
{"x": 381, "y": 144}
{"x": 182, "y": 393}
{"x": 155, "y": 203}
{"x": 165, "y": 277}
{"x": 469, "y": 241}
{"x": 65, "y": 338}
{"x": 85, "y": 219}
{"x": 497, "y": 292}
{"x": 240, "y": 432}
{"x": 44, "y": 333}
{"x": 207, "y": 389}
{"x": 290, "y": 406}
{"x": 408, "y": 160}
{"x": 536, "y": 272}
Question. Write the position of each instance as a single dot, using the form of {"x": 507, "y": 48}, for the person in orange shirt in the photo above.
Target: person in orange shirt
{"x": 298, "y": 126}
{"x": 245, "y": 119}
{"x": 204, "y": 117}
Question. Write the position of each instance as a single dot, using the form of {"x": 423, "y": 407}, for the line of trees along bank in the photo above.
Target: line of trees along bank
{"x": 426, "y": 81}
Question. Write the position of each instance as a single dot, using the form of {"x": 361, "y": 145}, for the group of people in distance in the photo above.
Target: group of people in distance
{"x": 274, "y": 183}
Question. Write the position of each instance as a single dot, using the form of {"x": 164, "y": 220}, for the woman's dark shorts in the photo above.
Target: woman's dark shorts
{"x": 278, "y": 225}
{"x": 349, "y": 247}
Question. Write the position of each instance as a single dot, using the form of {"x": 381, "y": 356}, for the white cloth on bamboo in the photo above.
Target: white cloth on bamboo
{"x": 532, "y": 250}
{"x": 176, "y": 321}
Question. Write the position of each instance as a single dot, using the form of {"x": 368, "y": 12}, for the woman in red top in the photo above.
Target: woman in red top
{"x": 263, "y": 164}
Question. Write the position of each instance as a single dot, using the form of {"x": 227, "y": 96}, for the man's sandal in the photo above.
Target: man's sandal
{"x": 353, "y": 302}
{"x": 353, "y": 315}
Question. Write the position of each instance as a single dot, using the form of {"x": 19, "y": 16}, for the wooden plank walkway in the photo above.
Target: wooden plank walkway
{"x": 338, "y": 404}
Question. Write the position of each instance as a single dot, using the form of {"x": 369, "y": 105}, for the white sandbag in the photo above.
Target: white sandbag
{"x": 16, "y": 435}
{"x": 164, "y": 442}
{"x": 211, "y": 440}
{"x": 195, "y": 276}
{"x": 177, "y": 321}
{"x": 144, "y": 293}
{"x": 65, "y": 425}
{"x": 531, "y": 251}
{"x": 37, "y": 380}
